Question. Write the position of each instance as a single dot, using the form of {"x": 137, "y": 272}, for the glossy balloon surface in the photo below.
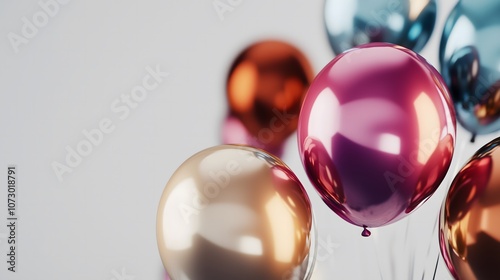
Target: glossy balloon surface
{"x": 235, "y": 212}
{"x": 470, "y": 218}
{"x": 408, "y": 23}
{"x": 470, "y": 63}
{"x": 265, "y": 88}
{"x": 376, "y": 133}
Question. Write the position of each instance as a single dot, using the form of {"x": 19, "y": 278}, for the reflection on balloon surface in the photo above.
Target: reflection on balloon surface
{"x": 470, "y": 63}
{"x": 265, "y": 88}
{"x": 408, "y": 23}
{"x": 469, "y": 221}
{"x": 235, "y": 212}
{"x": 376, "y": 133}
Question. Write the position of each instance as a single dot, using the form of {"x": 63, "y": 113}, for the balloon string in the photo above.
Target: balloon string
{"x": 436, "y": 268}
{"x": 406, "y": 245}
{"x": 434, "y": 232}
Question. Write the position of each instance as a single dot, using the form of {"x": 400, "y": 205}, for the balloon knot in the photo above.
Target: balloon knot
{"x": 366, "y": 232}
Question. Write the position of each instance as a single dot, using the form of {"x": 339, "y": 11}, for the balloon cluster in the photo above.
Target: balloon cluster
{"x": 470, "y": 64}
{"x": 376, "y": 136}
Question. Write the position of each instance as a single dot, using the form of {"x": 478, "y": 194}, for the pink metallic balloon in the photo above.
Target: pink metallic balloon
{"x": 376, "y": 133}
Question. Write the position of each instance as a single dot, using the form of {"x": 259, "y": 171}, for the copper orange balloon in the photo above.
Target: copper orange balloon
{"x": 265, "y": 89}
{"x": 235, "y": 212}
{"x": 470, "y": 218}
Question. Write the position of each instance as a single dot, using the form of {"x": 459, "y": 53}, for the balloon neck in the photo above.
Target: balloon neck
{"x": 366, "y": 232}
{"x": 473, "y": 138}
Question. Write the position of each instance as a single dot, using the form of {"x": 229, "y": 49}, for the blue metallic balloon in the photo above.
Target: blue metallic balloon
{"x": 408, "y": 23}
{"x": 470, "y": 63}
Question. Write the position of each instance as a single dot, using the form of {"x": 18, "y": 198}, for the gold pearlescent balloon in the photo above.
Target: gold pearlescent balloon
{"x": 235, "y": 212}
{"x": 265, "y": 88}
{"x": 470, "y": 218}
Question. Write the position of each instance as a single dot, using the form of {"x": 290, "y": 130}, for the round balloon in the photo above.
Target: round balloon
{"x": 404, "y": 22}
{"x": 470, "y": 218}
{"x": 265, "y": 88}
{"x": 376, "y": 133}
{"x": 470, "y": 63}
{"x": 234, "y": 132}
{"x": 235, "y": 212}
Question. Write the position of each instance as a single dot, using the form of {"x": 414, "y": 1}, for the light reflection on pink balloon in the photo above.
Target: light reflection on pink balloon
{"x": 376, "y": 133}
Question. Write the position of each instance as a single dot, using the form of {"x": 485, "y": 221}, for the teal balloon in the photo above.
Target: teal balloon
{"x": 407, "y": 23}
{"x": 470, "y": 63}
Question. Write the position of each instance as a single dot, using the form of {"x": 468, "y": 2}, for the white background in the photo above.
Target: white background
{"x": 99, "y": 222}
